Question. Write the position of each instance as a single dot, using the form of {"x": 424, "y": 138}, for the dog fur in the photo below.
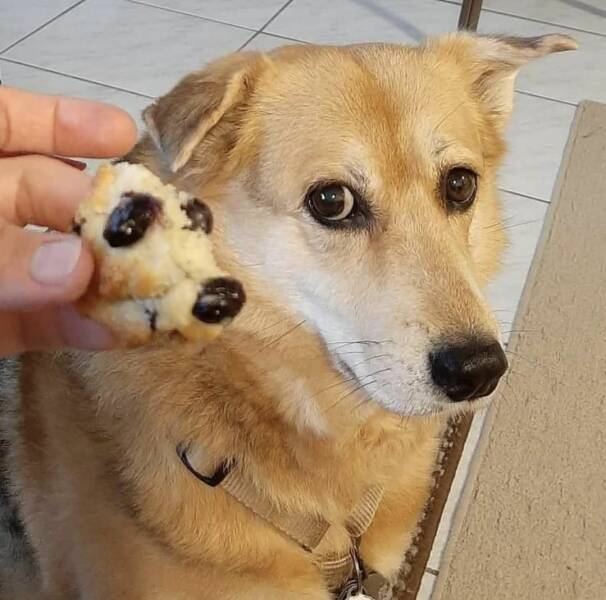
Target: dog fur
{"x": 321, "y": 387}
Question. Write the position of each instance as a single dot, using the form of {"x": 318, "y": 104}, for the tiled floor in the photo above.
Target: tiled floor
{"x": 128, "y": 51}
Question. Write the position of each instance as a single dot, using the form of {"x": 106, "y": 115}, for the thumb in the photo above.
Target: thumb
{"x": 50, "y": 327}
{"x": 37, "y": 269}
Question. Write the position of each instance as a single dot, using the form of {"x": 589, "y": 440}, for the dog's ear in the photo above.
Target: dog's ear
{"x": 493, "y": 63}
{"x": 196, "y": 107}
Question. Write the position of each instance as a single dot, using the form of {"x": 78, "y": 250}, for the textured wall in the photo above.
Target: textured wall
{"x": 532, "y": 523}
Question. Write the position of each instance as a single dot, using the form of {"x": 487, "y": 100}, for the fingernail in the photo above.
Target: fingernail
{"x": 54, "y": 261}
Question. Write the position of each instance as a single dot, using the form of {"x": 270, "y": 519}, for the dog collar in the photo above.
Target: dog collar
{"x": 345, "y": 574}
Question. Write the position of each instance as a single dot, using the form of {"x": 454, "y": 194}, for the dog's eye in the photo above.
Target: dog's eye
{"x": 460, "y": 187}
{"x": 331, "y": 202}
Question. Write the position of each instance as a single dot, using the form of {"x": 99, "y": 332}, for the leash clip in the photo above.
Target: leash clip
{"x": 353, "y": 588}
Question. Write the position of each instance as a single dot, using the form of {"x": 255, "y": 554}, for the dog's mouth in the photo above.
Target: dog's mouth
{"x": 364, "y": 387}
{"x": 416, "y": 397}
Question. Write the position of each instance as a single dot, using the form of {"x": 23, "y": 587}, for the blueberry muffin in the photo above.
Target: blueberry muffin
{"x": 154, "y": 266}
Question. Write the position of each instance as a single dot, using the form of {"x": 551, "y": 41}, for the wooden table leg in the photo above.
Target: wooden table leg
{"x": 470, "y": 14}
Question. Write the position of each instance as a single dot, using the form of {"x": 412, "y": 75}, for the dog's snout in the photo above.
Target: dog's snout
{"x": 468, "y": 371}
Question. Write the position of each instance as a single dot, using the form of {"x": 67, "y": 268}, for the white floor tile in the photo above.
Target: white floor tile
{"x": 426, "y": 588}
{"x": 36, "y": 80}
{"x": 128, "y": 45}
{"x": 20, "y": 17}
{"x": 536, "y": 139}
{"x": 246, "y": 13}
{"x": 350, "y": 21}
{"x": 523, "y": 219}
{"x": 568, "y": 76}
{"x": 589, "y": 15}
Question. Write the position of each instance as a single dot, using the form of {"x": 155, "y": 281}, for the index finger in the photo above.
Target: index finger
{"x": 61, "y": 125}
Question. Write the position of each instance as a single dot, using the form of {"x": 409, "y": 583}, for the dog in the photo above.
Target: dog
{"x": 354, "y": 194}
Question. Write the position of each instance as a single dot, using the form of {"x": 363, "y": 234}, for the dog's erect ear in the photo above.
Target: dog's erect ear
{"x": 494, "y": 61}
{"x": 179, "y": 121}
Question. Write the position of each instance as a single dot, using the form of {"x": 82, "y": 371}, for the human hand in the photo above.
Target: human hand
{"x": 42, "y": 273}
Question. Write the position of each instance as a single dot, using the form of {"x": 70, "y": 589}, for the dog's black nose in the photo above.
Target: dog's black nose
{"x": 468, "y": 371}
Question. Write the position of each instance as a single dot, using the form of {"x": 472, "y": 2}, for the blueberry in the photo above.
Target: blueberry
{"x": 219, "y": 299}
{"x": 129, "y": 221}
{"x": 200, "y": 216}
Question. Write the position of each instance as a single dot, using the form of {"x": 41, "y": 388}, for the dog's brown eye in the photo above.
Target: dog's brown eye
{"x": 331, "y": 202}
{"x": 460, "y": 186}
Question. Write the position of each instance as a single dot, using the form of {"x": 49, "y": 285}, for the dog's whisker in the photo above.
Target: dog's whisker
{"x": 530, "y": 361}
{"x": 355, "y": 389}
{"x": 502, "y": 224}
{"x": 334, "y": 385}
{"x": 357, "y": 342}
{"x": 521, "y": 223}
{"x": 361, "y": 404}
{"x": 519, "y": 331}
{"x": 274, "y": 325}
{"x": 369, "y": 399}
{"x": 369, "y": 359}
{"x": 282, "y": 336}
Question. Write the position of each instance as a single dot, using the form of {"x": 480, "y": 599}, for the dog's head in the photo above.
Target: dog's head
{"x": 360, "y": 182}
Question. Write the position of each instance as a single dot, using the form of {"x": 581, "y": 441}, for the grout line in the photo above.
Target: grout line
{"x": 47, "y": 70}
{"x": 278, "y": 13}
{"x": 247, "y": 41}
{"x": 532, "y": 19}
{"x": 21, "y": 39}
{"x": 432, "y": 571}
{"x": 262, "y": 29}
{"x": 543, "y": 97}
{"x": 188, "y": 14}
{"x": 524, "y": 195}
{"x": 272, "y": 35}
{"x": 279, "y": 37}
{"x": 255, "y": 32}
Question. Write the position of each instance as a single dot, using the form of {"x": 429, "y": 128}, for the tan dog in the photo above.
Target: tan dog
{"x": 353, "y": 190}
